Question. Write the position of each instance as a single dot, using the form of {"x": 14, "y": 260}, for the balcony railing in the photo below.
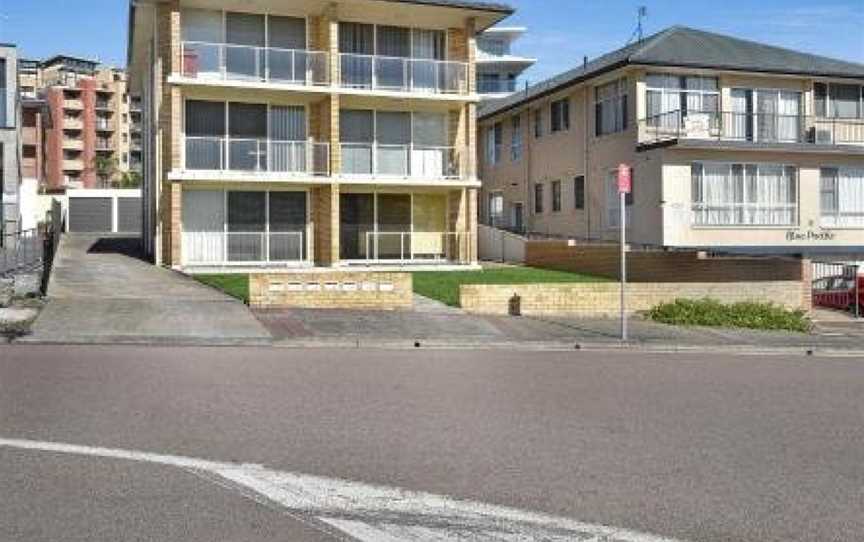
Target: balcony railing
{"x": 751, "y": 127}
{"x": 404, "y": 247}
{"x": 401, "y": 161}
{"x": 244, "y": 248}
{"x": 104, "y": 124}
{"x": 257, "y": 155}
{"x": 102, "y": 104}
{"x": 400, "y": 74}
{"x": 261, "y": 64}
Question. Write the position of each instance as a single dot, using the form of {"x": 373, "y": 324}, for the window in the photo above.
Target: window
{"x": 839, "y": 101}
{"x": 579, "y": 192}
{"x": 561, "y": 115}
{"x": 610, "y": 107}
{"x": 671, "y": 98}
{"x": 764, "y": 115}
{"x": 538, "y": 198}
{"x": 538, "y": 123}
{"x": 613, "y": 200}
{"x": 516, "y": 138}
{"x": 727, "y": 194}
{"x": 494, "y": 138}
{"x": 556, "y": 196}
{"x": 496, "y": 209}
{"x": 842, "y": 197}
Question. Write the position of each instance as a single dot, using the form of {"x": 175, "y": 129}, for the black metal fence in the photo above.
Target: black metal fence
{"x": 32, "y": 251}
{"x": 756, "y": 127}
{"x": 838, "y": 286}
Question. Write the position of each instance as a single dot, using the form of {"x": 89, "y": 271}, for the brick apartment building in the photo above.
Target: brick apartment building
{"x": 309, "y": 134}
{"x": 90, "y": 109}
{"x": 735, "y": 146}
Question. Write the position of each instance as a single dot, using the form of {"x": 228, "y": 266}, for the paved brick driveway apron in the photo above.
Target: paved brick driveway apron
{"x": 102, "y": 291}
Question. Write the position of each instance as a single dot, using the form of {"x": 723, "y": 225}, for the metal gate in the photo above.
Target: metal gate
{"x": 838, "y": 286}
{"x": 90, "y": 215}
{"x": 129, "y": 215}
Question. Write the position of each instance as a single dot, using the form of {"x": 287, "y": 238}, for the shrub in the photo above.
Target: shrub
{"x": 710, "y": 312}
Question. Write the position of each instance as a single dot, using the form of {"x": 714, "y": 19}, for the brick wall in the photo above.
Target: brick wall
{"x": 168, "y": 49}
{"x": 661, "y": 266}
{"x": 602, "y": 299}
{"x": 335, "y": 290}
{"x": 325, "y": 219}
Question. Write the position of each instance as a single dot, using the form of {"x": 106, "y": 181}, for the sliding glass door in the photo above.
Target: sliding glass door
{"x": 765, "y": 115}
{"x": 356, "y": 221}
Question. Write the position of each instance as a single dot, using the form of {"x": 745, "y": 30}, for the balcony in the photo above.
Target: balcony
{"x": 406, "y": 248}
{"x": 104, "y": 105}
{"x": 257, "y": 156}
{"x": 104, "y": 145}
{"x": 73, "y": 165}
{"x": 104, "y": 125}
{"x": 398, "y": 74}
{"x": 768, "y": 128}
{"x": 73, "y": 144}
{"x": 220, "y": 61}
{"x": 400, "y": 161}
{"x": 73, "y": 123}
{"x": 244, "y": 248}
{"x": 73, "y": 104}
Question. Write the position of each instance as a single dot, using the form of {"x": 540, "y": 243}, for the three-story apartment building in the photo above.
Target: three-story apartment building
{"x": 735, "y": 146}
{"x": 308, "y": 133}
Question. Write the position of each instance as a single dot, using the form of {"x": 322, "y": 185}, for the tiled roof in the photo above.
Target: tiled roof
{"x": 466, "y": 4}
{"x": 688, "y": 47}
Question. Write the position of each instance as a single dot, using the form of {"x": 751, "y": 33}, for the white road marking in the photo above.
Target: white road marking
{"x": 369, "y": 513}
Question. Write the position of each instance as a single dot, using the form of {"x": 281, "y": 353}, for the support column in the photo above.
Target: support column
{"x": 169, "y": 130}
{"x": 325, "y": 218}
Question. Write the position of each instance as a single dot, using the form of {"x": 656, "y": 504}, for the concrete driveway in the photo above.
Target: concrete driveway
{"x": 101, "y": 290}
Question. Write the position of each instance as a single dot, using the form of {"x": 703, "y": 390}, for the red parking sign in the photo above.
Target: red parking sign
{"x": 625, "y": 181}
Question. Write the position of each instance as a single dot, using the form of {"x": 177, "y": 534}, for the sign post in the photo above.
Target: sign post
{"x": 625, "y": 186}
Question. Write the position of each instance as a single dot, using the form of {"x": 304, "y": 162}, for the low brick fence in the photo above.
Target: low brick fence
{"x": 331, "y": 290}
{"x": 662, "y": 266}
{"x": 603, "y": 298}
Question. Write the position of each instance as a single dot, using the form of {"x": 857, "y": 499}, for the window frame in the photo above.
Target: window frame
{"x": 620, "y": 107}
{"x": 538, "y": 198}
{"x": 744, "y": 194}
{"x": 556, "y": 196}
{"x": 836, "y": 214}
{"x": 826, "y": 107}
{"x": 579, "y": 192}
{"x": 516, "y": 143}
{"x": 559, "y": 111}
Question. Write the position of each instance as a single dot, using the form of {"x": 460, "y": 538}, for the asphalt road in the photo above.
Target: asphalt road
{"x": 689, "y": 447}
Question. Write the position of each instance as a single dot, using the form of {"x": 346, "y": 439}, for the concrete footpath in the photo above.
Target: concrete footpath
{"x": 102, "y": 291}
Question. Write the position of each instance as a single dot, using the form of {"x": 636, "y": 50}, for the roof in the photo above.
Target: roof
{"x": 464, "y": 4}
{"x": 681, "y": 46}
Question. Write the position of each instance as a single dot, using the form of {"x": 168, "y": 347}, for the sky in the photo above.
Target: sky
{"x": 560, "y": 32}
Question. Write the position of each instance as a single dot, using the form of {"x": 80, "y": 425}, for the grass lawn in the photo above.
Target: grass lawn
{"x": 233, "y": 285}
{"x": 444, "y": 285}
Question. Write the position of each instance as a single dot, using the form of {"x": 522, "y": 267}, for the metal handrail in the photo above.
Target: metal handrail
{"x": 413, "y": 167}
{"x": 751, "y": 127}
{"x": 268, "y": 155}
{"x": 219, "y": 244}
{"x": 313, "y": 65}
{"x": 447, "y": 76}
{"x": 449, "y": 243}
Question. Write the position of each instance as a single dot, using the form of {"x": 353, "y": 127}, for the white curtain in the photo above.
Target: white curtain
{"x": 430, "y": 155}
{"x": 851, "y": 197}
{"x": 788, "y": 120}
{"x": 744, "y": 194}
{"x": 737, "y": 128}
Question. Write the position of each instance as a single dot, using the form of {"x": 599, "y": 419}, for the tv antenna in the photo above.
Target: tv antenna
{"x": 641, "y": 15}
